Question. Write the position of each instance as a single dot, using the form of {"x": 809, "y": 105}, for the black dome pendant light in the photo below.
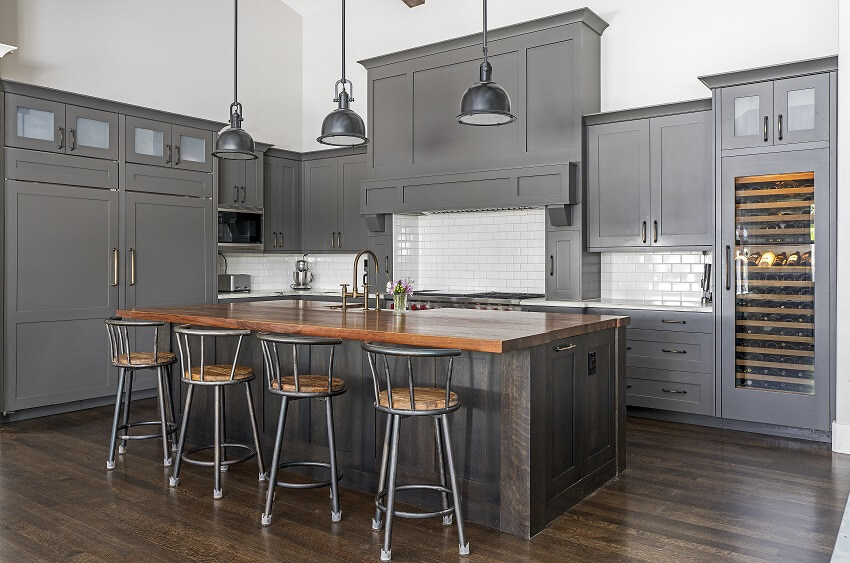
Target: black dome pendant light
{"x": 343, "y": 127}
{"x": 234, "y": 143}
{"x": 485, "y": 104}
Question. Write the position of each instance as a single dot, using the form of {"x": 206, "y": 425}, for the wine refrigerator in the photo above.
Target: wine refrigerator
{"x": 775, "y": 287}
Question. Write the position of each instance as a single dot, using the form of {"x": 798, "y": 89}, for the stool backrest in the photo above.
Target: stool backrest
{"x": 385, "y": 383}
{"x": 183, "y": 334}
{"x": 271, "y": 357}
{"x": 119, "y": 337}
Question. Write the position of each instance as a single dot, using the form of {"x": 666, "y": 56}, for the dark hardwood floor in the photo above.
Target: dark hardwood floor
{"x": 689, "y": 494}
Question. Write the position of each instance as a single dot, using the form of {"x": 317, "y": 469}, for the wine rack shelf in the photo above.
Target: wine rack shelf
{"x": 775, "y": 338}
{"x": 774, "y": 297}
{"x": 782, "y": 351}
{"x": 775, "y": 192}
{"x": 775, "y": 324}
{"x": 775, "y": 365}
{"x": 770, "y": 178}
{"x": 777, "y": 310}
{"x": 773, "y": 205}
{"x": 773, "y": 218}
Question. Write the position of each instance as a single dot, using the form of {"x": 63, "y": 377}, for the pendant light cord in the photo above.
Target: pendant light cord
{"x": 485, "y": 31}
{"x": 235, "y": 42}
{"x": 343, "y": 45}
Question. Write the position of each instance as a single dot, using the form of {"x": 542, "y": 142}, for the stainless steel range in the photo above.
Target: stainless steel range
{"x": 495, "y": 300}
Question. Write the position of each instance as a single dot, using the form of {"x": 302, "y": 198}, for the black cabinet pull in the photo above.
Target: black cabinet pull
{"x": 728, "y": 267}
{"x": 61, "y": 137}
{"x": 628, "y": 348}
{"x": 244, "y": 194}
{"x": 168, "y": 158}
{"x": 673, "y": 322}
{"x": 387, "y": 265}
{"x": 765, "y": 128}
{"x": 779, "y": 124}
{"x": 563, "y": 347}
{"x": 674, "y": 391}
{"x": 551, "y": 265}
{"x": 673, "y": 351}
{"x": 655, "y": 231}
{"x": 628, "y": 385}
{"x": 643, "y": 232}
{"x": 235, "y": 194}
{"x": 176, "y": 155}
{"x": 73, "y": 134}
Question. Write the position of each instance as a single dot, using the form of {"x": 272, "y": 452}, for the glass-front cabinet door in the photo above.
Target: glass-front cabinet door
{"x": 91, "y": 132}
{"x": 192, "y": 148}
{"x": 775, "y": 292}
{"x": 746, "y": 112}
{"x": 33, "y": 123}
{"x": 148, "y": 141}
{"x": 801, "y": 105}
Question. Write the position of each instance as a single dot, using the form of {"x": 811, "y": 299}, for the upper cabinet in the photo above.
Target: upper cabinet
{"x": 760, "y": 110}
{"x": 282, "y": 210}
{"x": 164, "y": 144}
{"x": 649, "y": 177}
{"x": 421, "y": 159}
{"x": 34, "y": 123}
{"x": 240, "y": 182}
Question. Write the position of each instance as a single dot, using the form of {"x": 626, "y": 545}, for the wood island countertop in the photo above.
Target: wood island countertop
{"x": 466, "y": 329}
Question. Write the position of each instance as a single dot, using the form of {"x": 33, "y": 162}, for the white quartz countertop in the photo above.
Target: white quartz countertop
{"x": 623, "y": 304}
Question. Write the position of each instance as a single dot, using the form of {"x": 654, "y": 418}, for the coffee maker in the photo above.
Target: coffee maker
{"x": 302, "y": 275}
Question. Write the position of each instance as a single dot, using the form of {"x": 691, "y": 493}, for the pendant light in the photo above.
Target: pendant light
{"x": 343, "y": 127}
{"x": 485, "y": 103}
{"x": 234, "y": 143}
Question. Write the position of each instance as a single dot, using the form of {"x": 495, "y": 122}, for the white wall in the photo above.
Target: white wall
{"x": 165, "y": 54}
{"x": 651, "y": 53}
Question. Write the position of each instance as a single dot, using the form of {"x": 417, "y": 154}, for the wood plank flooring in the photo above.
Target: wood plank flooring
{"x": 689, "y": 494}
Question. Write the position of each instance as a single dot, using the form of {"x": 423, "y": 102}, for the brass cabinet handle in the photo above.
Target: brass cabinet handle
{"x": 765, "y": 128}
{"x": 779, "y": 124}
{"x": 672, "y": 322}
{"x": 672, "y": 351}
{"x": 280, "y": 244}
{"x": 333, "y": 239}
{"x": 61, "y": 137}
{"x": 563, "y": 347}
{"x": 176, "y": 155}
{"x": 339, "y": 239}
{"x": 168, "y": 158}
{"x": 73, "y": 134}
{"x": 132, "y": 267}
{"x": 114, "y": 267}
{"x": 643, "y": 231}
{"x": 274, "y": 240}
{"x": 551, "y": 264}
{"x": 674, "y": 391}
{"x": 655, "y": 231}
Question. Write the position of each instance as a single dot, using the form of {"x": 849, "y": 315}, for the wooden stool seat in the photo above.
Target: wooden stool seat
{"x": 140, "y": 359}
{"x": 308, "y": 384}
{"x": 220, "y": 373}
{"x": 425, "y": 398}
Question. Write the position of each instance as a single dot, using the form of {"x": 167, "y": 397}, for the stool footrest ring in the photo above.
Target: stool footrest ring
{"x": 171, "y": 428}
{"x": 251, "y": 453}
{"x": 315, "y": 485}
{"x": 379, "y": 498}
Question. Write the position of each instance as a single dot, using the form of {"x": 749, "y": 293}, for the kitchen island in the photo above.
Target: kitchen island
{"x": 542, "y": 422}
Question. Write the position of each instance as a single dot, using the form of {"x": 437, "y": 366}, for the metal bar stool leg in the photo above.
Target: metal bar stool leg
{"x": 441, "y": 460}
{"x": 382, "y": 479}
{"x": 463, "y": 545}
{"x": 266, "y": 519}
{"x": 336, "y": 513}
{"x": 217, "y": 444}
{"x": 163, "y": 417}
{"x": 255, "y": 429}
{"x": 175, "y": 477}
{"x": 223, "y": 435}
{"x": 110, "y": 461}
{"x": 387, "y": 551}
{"x": 172, "y": 414}
{"x": 128, "y": 392}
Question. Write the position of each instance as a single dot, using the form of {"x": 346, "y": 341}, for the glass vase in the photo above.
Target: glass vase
{"x": 400, "y": 303}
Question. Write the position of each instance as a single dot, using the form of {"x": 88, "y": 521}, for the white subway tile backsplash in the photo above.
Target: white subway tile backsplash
{"x": 671, "y": 277}
{"x": 273, "y": 272}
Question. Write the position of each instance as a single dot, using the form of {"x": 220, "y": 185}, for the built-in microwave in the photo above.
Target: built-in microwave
{"x": 240, "y": 229}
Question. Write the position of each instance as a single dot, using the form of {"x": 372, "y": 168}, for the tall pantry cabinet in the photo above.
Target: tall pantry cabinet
{"x": 775, "y": 282}
{"x": 91, "y": 226}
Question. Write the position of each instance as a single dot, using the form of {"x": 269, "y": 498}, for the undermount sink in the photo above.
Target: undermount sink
{"x": 347, "y": 306}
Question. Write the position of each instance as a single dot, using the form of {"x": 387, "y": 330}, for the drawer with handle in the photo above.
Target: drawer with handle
{"x": 683, "y": 351}
{"x": 671, "y": 390}
{"x": 679, "y": 321}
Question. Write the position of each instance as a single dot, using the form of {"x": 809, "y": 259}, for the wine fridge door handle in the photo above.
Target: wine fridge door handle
{"x": 114, "y": 267}
{"x": 779, "y": 125}
{"x": 643, "y": 232}
{"x": 765, "y": 128}
{"x": 728, "y": 267}
{"x": 551, "y": 264}
{"x": 655, "y": 231}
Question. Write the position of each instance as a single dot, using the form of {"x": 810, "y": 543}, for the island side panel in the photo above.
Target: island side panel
{"x": 620, "y": 382}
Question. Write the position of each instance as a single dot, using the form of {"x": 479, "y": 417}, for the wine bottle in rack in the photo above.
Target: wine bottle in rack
{"x": 767, "y": 259}
{"x": 806, "y": 259}
{"x": 780, "y": 259}
{"x": 753, "y": 259}
{"x": 793, "y": 260}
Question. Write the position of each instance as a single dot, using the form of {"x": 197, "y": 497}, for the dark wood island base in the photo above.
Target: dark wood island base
{"x": 542, "y": 422}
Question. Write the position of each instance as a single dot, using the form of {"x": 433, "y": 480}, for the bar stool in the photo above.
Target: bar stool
{"x": 401, "y": 402}
{"x": 128, "y": 362}
{"x": 216, "y": 376}
{"x": 292, "y": 388}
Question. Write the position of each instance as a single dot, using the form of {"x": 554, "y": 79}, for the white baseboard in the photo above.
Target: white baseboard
{"x": 840, "y": 437}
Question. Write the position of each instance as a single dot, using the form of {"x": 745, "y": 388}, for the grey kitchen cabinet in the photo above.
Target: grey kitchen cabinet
{"x": 649, "y": 177}
{"x": 331, "y": 199}
{"x": 775, "y": 112}
{"x": 62, "y": 279}
{"x": 382, "y": 246}
{"x": 282, "y": 210}
{"x": 240, "y": 183}
{"x": 162, "y": 144}
{"x": 563, "y": 252}
{"x": 53, "y": 168}
{"x": 34, "y": 123}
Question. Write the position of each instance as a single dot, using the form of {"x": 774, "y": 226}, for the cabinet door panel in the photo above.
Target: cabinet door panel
{"x": 563, "y": 259}
{"x": 353, "y": 234}
{"x": 682, "y": 187}
{"x": 597, "y": 387}
{"x": 563, "y": 412}
{"x": 745, "y": 114}
{"x": 192, "y": 148}
{"x": 231, "y": 176}
{"x": 618, "y": 184}
{"x": 382, "y": 246}
{"x": 91, "y": 132}
{"x": 802, "y": 109}
{"x": 273, "y": 187}
{"x": 289, "y": 209}
{"x": 148, "y": 141}
{"x": 320, "y": 204}
{"x": 60, "y": 285}
{"x": 32, "y": 123}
